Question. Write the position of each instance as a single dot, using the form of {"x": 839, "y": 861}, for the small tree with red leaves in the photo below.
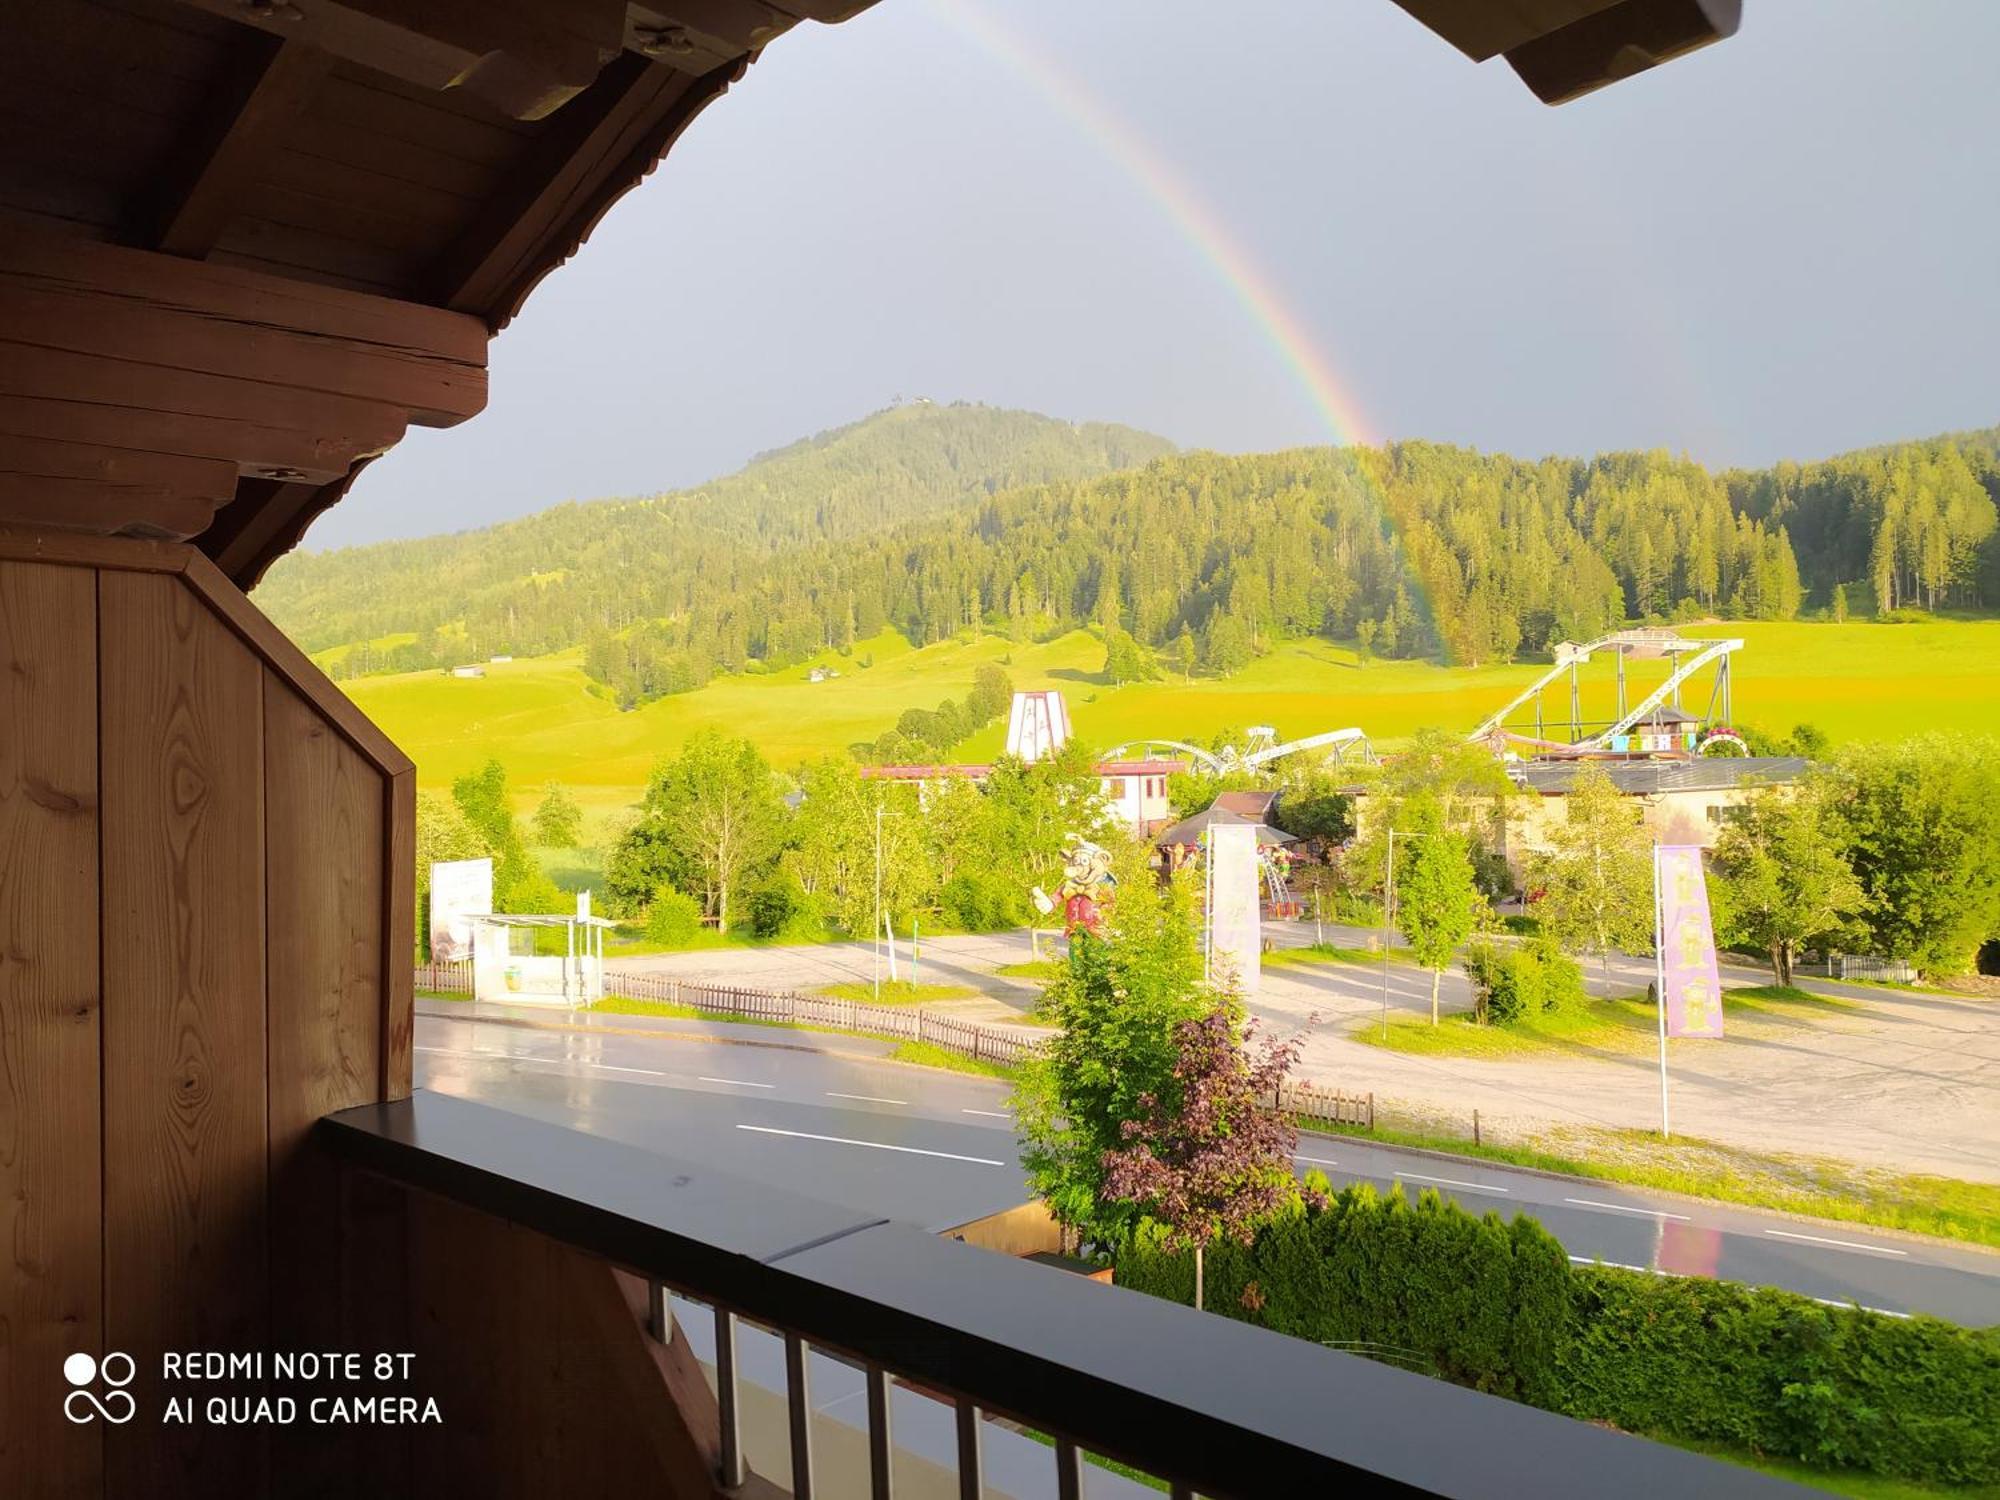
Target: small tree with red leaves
{"x": 1211, "y": 1155}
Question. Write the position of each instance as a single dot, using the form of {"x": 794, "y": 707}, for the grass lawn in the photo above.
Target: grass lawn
{"x": 1626, "y": 1026}
{"x": 1330, "y": 953}
{"x": 1854, "y": 680}
{"x": 896, "y": 992}
{"x": 1043, "y": 969}
{"x": 625, "y": 1005}
{"x": 930, "y": 1055}
{"x": 1815, "y": 1185}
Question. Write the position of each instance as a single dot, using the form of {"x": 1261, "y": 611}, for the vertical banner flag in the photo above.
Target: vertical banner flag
{"x": 460, "y": 890}
{"x": 1693, "y": 992}
{"x": 1234, "y": 928}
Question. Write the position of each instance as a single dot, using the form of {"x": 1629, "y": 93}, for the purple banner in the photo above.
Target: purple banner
{"x": 1687, "y": 945}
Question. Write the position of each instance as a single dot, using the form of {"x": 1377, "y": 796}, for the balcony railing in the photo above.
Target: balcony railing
{"x": 1214, "y": 1406}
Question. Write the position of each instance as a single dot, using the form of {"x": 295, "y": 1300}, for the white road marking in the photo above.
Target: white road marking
{"x": 741, "y": 1083}
{"x": 865, "y": 1098}
{"x": 841, "y": 1140}
{"x": 1625, "y": 1208}
{"x": 1618, "y": 1265}
{"x": 991, "y": 1114}
{"x": 1786, "y": 1234}
{"x": 614, "y": 1068}
{"x": 1477, "y": 1187}
{"x": 1318, "y": 1161}
{"x": 1836, "y": 1302}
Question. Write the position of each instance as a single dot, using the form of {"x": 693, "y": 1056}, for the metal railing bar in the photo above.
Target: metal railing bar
{"x": 729, "y": 1466}
{"x": 798, "y": 1401}
{"x": 881, "y": 1483}
{"x": 1069, "y": 1470}
{"x": 971, "y": 1460}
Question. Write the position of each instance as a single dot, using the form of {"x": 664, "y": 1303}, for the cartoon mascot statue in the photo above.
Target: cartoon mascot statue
{"x": 1087, "y": 886}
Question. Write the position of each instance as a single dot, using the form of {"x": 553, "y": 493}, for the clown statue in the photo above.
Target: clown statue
{"x": 1087, "y": 886}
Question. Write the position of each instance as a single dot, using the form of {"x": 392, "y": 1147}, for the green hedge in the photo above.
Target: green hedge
{"x": 1425, "y": 1285}
{"x": 1781, "y": 1374}
{"x": 1497, "y": 1306}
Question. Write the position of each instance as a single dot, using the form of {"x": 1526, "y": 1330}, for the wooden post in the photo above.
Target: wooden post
{"x": 1475, "y": 1127}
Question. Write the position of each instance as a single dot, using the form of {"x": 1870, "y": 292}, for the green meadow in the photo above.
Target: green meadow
{"x": 1858, "y": 680}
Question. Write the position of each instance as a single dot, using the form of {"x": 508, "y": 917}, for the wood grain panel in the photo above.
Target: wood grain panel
{"x": 51, "y": 1228}
{"x": 246, "y": 446}
{"x": 324, "y": 853}
{"x": 399, "y": 926}
{"x": 184, "y": 1030}
{"x": 430, "y": 387}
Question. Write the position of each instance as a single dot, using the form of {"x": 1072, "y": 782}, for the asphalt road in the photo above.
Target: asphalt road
{"x": 937, "y": 1149}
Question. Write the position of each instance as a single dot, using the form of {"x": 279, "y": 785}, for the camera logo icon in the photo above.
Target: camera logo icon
{"x": 116, "y": 1405}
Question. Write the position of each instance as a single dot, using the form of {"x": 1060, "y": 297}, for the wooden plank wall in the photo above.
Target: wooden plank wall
{"x": 199, "y": 897}
{"x": 51, "y": 1260}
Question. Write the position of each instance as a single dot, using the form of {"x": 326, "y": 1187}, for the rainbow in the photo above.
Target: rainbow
{"x": 1198, "y": 224}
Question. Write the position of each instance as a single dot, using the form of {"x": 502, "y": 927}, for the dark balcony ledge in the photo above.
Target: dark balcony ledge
{"x": 1225, "y": 1407}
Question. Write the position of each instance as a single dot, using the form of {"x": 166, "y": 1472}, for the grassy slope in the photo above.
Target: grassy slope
{"x": 1858, "y": 680}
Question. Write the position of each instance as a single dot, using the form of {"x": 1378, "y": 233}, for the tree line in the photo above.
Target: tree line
{"x": 939, "y": 521}
{"x": 1891, "y": 850}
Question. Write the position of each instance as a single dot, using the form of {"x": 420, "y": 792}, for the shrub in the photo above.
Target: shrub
{"x": 980, "y": 902}
{"x": 1424, "y": 1285}
{"x": 782, "y": 909}
{"x": 672, "y": 918}
{"x": 1779, "y": 1373}
{"x": 1498, "y": 1307}
{"x": 1514, "y": 984}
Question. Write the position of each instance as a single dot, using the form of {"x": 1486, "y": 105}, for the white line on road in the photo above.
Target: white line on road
{"x": 991, "y": 1114}
{"x": 1477, "y": 1187}
{"x": 1786, "y": 1234}
{"x": 1618, "y": 1265}
{"x": 841, "y": 1140}
{"x": 614, "y": 1068}
{"x": 1626, "y": 1208}
{"x": 1836, "y": 1302}
{"x": 865, "y": 1098}
{"x": 1318, "y": 1161}
{"x": 741, "y": 1083}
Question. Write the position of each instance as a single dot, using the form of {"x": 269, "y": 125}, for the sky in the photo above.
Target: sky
{"x": 1783, "y": 246}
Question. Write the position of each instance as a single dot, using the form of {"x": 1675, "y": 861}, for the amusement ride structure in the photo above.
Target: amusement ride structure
{"x": 1686, "y": 658}
{"x": 1263, "y": 749}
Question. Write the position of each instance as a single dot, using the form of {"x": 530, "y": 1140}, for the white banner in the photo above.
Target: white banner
{"x": 460, "y": 888}
{"x": 1235, "y": 928}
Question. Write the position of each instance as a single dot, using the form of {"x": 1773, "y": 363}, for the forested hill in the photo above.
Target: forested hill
{"x": 535, "y": 584}
{"x": 1190, "y": 560}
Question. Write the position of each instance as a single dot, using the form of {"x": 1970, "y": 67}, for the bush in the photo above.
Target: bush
{"x": 781, "y": 909}
{"x": 1424, "y": 1285}
{"x": 1515, "y": 984}
{"x": 1498, "y": 1307}
{"x": 980, "y": 903}
{"x": 1781, "y": 1374}
{"x": 672, "y": 918}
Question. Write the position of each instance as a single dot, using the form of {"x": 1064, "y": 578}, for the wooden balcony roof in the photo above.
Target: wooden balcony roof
{"x": 245, "y": 243}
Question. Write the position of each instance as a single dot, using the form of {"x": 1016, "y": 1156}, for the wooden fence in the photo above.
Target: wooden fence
{"x": 901, "y": 1022}
{"x": 1310, "y": 1102}
{"x": 445, "y": 979}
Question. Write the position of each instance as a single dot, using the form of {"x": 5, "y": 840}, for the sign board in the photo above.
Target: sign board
{"x": 1235, "y": 928}
{"x": 1691, "y": 985}
{"x": 460, "y": 889}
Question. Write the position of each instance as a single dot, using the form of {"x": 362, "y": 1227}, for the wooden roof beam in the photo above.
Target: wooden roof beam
{"x": 227, "y": 152}
{"x": 600, "y": 145}
{"x": 526, "y": 58}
